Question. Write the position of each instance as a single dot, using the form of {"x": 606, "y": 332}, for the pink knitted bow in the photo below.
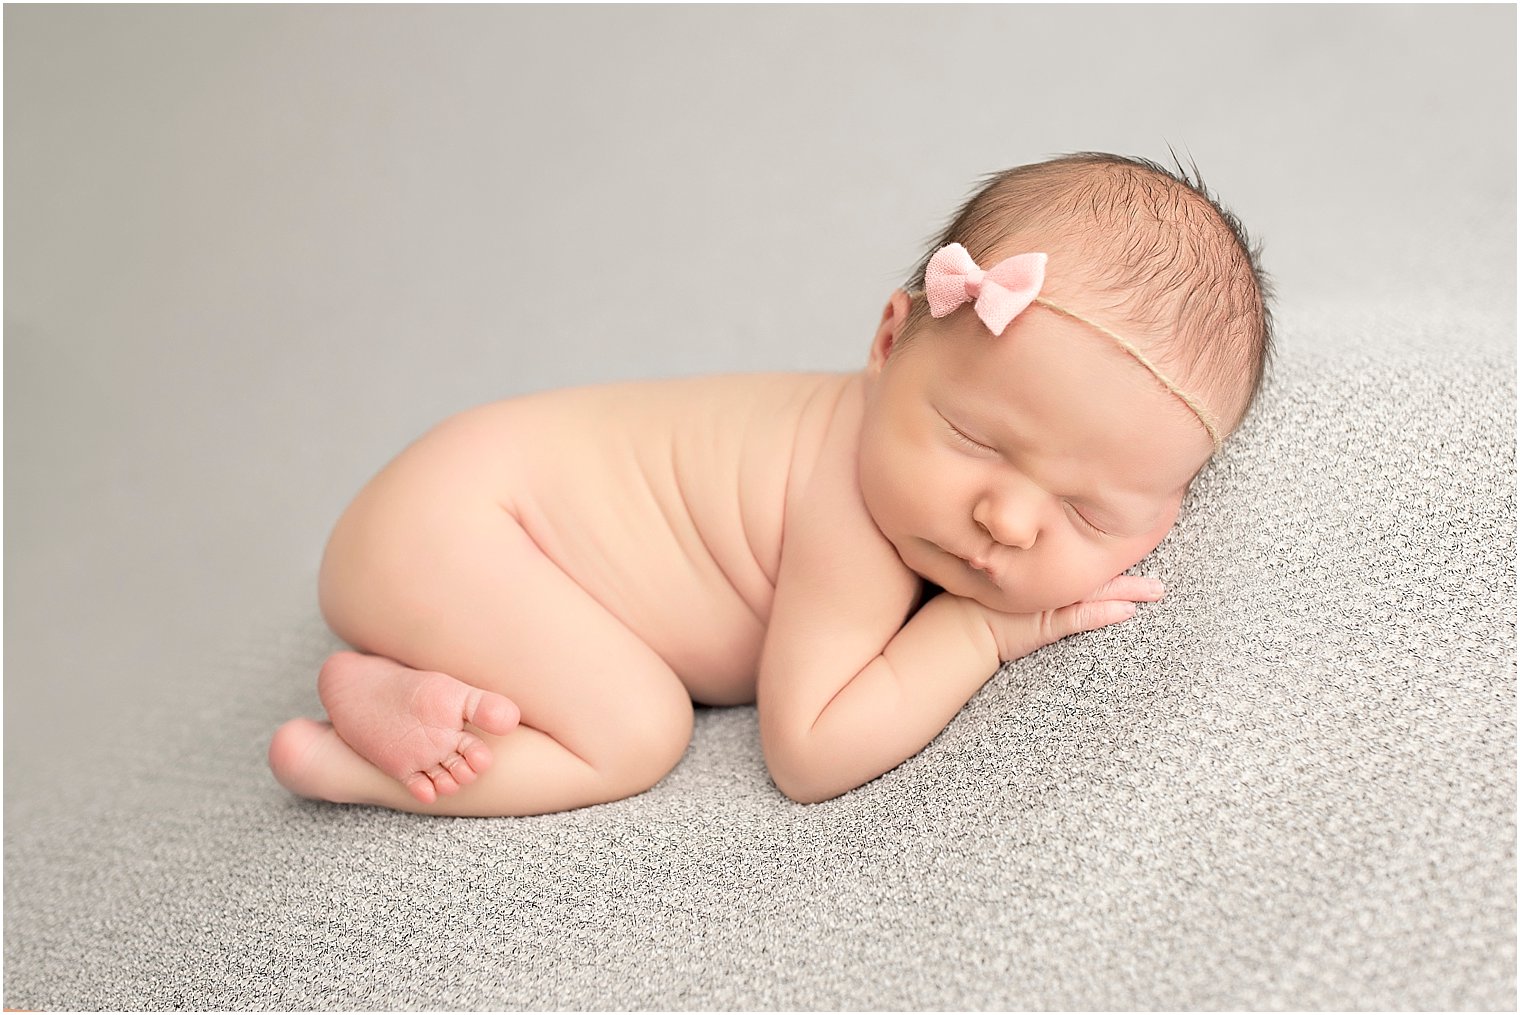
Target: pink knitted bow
{"x": 1001, "y": 292}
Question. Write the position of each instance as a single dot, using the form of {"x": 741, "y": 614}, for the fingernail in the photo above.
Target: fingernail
{"x": 1128, "y": 609}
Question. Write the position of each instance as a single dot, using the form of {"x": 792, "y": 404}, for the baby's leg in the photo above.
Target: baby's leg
{"x": 473, "y": 598}
{"x": 410, "y": 724}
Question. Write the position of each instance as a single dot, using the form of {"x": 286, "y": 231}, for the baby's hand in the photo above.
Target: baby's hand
{"x": 1019, "y": 634}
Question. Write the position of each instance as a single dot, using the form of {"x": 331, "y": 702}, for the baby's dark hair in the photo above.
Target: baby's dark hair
{"x": 1149, "y": 248}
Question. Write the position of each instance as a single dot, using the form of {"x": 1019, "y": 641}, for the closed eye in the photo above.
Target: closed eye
{"x": 966, "y": 440}
{"x": 1083, "y": 519}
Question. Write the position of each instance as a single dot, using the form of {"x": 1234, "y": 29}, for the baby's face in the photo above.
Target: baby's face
{"x": 1080, "y": 462}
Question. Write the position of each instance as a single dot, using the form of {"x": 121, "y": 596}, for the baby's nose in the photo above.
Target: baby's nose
{"x": 1009, "y": 521}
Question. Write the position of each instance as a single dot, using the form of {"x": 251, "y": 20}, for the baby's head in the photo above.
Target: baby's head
{"x": 1145, "y": 252}
{"x": 1057, "y": 452}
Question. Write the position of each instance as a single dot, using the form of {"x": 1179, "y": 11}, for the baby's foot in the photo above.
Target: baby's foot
{"x": 410, "y": 723}
{"x": 308, "y": 758}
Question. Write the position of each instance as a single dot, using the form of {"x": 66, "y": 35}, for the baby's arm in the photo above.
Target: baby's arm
{"x": 846, "y": 690}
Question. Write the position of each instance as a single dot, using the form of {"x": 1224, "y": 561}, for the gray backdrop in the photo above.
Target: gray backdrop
{"x": 251, "y": 252}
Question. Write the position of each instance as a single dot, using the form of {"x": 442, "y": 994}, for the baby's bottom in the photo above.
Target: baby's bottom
{"x": 461, "y": 589}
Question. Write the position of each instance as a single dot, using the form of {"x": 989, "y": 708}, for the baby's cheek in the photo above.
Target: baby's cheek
{"x": 1085, "y": 581}
{"x": 1093, "y": 568}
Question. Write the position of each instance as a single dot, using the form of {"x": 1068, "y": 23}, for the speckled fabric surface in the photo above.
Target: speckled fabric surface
{"x": 252, "y": 251}
{"x": 1290, "y": 785}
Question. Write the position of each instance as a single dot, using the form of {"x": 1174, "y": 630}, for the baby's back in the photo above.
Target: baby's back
{"x": 665, "y": 500}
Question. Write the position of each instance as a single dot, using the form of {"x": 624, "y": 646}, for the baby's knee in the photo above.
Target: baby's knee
{"x": 652, "y": 741}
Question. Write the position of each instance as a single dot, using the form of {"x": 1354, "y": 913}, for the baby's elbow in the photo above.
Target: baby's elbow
{"x": 794, "y": 757}
{"x": 802, "y": 792}
{"x": 808, "y": 794}
{"x": 797, "y": 778}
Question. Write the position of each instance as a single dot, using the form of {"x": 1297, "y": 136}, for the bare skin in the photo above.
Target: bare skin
{"x": 599, "y": 580}
{"x": 411, "y": 724}
{"x": 538, "y": 589}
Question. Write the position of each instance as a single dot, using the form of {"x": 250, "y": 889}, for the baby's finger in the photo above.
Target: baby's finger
{"x": 1019, "y": 634}
{"x": 1086, "y": 616}
{"x": 1128, "y": 586}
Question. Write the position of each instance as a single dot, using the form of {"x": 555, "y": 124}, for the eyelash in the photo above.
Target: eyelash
{"x": 982, "y": 447}
{"x": 966, "y": 440}
{"x": 1089, "y": 524}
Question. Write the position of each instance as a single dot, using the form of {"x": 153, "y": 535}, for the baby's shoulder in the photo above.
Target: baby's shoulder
{"x": 741, "y": 403}
{"x": 762, "y": 432}
{"x": 767, "y": 421}
{"x": 779, "y": 428}
{"x": 776, "y": 400}
{"x": 827, "y": 434}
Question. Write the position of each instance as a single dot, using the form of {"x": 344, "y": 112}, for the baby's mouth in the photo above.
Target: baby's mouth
{"x": 984, "y": 568}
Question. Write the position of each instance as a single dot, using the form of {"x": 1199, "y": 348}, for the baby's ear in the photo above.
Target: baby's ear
{"x": 893, "y": 319}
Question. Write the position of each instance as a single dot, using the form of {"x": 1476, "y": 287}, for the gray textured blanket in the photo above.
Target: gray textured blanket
{"x": 252, "y": 251}
{"x": 1291, "y": 785}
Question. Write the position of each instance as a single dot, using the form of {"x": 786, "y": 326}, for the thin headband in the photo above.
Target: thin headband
{"x": 1006, "y": 289}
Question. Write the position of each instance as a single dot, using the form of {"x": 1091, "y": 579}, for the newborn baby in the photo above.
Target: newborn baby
{"x": 538, "y": 589}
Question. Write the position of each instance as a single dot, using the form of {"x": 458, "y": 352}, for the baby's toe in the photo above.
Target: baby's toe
{"x": 492, "y": 712}
{"x": 421, "y": 787}
{"x": 475, "y": 753}
{"x": 459, "y": 768}
{"x": 443, "y": 782}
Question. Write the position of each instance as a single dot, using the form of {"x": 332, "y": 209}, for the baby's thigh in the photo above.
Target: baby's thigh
{"x": 446, "y": 579}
